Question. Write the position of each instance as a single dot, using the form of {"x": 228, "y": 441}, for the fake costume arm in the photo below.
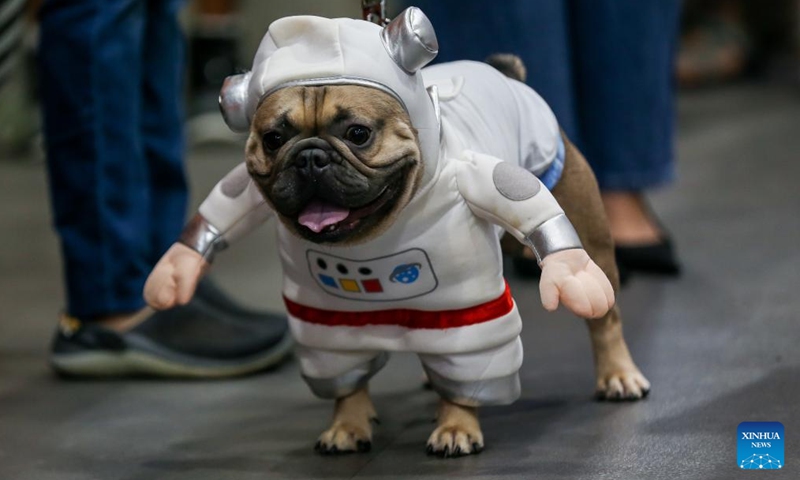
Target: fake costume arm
{"x": 232, "y": 209}
{"x": 512, "y": 197}
{"x": 515, "y": 199}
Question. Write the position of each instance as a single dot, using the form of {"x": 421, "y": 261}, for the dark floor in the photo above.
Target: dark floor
{"x": 720, "y": 347}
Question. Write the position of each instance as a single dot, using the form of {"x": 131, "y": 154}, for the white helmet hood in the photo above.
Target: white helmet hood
{"x": 307, "y": 50}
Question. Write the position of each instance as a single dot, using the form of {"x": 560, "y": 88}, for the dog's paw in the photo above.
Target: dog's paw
{"x": 455, "y": 441}
{"x": 625, "y": 385}
{"x": 344, "y": 438}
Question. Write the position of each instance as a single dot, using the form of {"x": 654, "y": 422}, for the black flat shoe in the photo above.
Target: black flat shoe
{"x": 211, "y": 337}
{"x": 656, "y": 258}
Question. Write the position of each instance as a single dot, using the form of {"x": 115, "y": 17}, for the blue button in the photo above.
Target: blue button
{"x": 328, "y": 281}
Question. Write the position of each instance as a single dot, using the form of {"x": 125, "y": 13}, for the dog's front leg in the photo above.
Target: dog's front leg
{"x": 458, "y": 431}
{"x": 618, "y": 377}
{"x": 351, "y": 429}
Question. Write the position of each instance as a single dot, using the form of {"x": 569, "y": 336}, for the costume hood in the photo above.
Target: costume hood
{"x": 307, "y": 50}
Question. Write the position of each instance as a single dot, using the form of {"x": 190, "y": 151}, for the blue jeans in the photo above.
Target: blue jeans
{"x": 604, "y": 66}
{"x": 111, "y": 79}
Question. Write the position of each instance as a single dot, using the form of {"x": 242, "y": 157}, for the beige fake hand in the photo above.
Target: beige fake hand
{"x": 174, "y": 278}
{"x": 572, "y": 278}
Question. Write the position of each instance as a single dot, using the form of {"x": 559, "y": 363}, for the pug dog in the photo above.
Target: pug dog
{"x": 392, "y": 185}
{"x": 351, "y": 148}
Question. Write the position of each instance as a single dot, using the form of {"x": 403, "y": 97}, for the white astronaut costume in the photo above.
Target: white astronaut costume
{"x": 433, "y": 282}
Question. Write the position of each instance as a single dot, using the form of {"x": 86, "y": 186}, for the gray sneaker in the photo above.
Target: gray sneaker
{"x": 211, "y": 337}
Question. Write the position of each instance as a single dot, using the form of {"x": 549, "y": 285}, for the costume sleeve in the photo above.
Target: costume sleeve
{"x": 232, "y": 209}
{"x": 512, "y": 197}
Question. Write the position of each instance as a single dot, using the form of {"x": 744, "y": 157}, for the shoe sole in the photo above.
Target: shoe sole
{"x": 147, "y": 363}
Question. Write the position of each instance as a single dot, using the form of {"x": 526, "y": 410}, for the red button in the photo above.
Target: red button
{"x": 373, "y": 285}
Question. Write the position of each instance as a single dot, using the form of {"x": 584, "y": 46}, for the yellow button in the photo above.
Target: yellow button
{"x": 349, "y": 285}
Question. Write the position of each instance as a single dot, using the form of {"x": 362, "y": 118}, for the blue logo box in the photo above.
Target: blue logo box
{"x": 760, "y": 446}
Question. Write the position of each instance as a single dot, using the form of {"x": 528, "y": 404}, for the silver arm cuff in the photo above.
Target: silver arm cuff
{"x": 202, "y": 237}
{"x": 553, "y": 236}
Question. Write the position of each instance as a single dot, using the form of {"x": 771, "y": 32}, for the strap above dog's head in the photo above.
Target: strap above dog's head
{"x": 374, "y": 11}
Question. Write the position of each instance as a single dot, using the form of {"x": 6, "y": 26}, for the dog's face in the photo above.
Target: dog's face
{"x": 337, "y": 163}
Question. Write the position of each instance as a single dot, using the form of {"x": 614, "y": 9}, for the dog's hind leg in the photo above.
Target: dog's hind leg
{"x": 457, "y": 433}
{"x": 351, "y": 428}
{"x": 618, "y": 377}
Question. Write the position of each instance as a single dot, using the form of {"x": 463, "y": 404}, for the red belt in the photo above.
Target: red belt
{"x": 405, "y": 317}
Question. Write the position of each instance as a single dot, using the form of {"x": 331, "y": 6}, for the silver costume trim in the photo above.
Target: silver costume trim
{"x": 348, "y": 382}
{"x": 433, "y": 92}
{"x": 410, "y": 40}
{"x": 233, "y": 102}
{"x": 492, "y": 391}
{"x": 310, "y": 82}
{"x": 553, "y": 236}
{"x": 202, "y": 237}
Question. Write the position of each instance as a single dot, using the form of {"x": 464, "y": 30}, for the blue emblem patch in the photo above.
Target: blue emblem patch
{"x": 407, "y": 273}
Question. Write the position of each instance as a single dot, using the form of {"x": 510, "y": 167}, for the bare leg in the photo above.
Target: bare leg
{"x": 351, "y": 429}
{"x": 458, "y": 431}
{"x": 629, "y": 220}
{"x": 121, "y": 322}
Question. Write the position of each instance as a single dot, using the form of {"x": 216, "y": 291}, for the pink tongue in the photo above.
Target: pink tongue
{"x": 318, "y": 215}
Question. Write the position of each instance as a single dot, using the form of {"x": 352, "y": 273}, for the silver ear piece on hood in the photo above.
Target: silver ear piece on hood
{"x": 233, "y": 101}
{"x": 410, "y": 40}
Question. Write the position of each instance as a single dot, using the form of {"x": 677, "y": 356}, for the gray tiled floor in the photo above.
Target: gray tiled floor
{"x": 719, "y": 345}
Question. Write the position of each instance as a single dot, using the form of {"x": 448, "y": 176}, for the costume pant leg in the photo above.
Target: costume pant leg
{"x": 624, "y": 51}
{"x": 163, "y": 122}
{"x": 90, "y": 59}
{"x": 536, "y": 31}
{"x": 337, "y": 374}
{"x": 486, "y": 377}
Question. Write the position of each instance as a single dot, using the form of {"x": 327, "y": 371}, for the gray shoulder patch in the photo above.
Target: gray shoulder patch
{"x": 235, "y": 182}
{"x": 514, "y": 183}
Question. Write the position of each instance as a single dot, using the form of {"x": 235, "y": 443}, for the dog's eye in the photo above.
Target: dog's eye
{"x": 273, "y": 140}
{"x": 357, "y": 134}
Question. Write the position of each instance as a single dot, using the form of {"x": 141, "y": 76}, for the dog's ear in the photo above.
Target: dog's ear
{"x": 410, "y": 40}
{"x": 232, "y": 102}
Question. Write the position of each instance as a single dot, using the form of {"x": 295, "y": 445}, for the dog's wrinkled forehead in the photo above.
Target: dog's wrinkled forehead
{"x": 318, "y": 106}
{"x": 308, "y": 50}
{"x": 325, "y": 82}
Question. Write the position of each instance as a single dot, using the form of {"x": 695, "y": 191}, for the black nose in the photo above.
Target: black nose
{"x": 312, "y": 161}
